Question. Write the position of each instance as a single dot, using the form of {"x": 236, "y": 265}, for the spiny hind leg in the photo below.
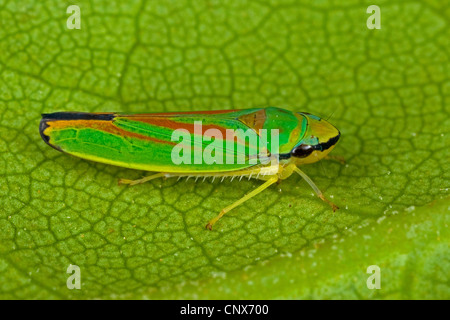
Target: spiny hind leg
{"x": 262, "y": 187}
{"x": 315, "y": 188}
{"x": 257, "y": 172}
{"x": 142, "y": 180}
{"x": 260, "y": 173}
{"x": 154, "y": 176}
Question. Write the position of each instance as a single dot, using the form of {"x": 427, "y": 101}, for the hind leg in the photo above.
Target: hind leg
{"x": 143, "y": 180}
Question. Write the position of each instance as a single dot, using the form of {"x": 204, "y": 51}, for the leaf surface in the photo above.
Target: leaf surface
{"x": 387, "y": 90}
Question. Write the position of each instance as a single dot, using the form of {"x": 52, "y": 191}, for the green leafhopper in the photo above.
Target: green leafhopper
{"x": 268, "y": 144}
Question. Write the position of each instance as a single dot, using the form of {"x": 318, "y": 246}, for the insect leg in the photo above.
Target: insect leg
{"x": 265, "y": 185}
{"x": 184, "y": 174}
{"x": 333, "y": 157}
{"x": 316, "y": 190}
{"x": 145, "y": 179}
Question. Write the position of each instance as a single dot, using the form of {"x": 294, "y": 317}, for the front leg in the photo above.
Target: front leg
{"x": 316, "y": 190}
{"x": 333, "y": 157}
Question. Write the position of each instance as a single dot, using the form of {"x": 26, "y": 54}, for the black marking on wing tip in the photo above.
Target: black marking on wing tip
{"x": 62, "y": 116}
{"x": 78, "y": 116}
{"x": 42, "y": 126}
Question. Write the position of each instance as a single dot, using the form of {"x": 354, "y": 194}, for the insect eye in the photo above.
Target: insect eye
{"x": 302, "y": 151}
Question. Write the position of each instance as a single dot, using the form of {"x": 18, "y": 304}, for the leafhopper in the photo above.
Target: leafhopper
{"x": 268, "y": 144}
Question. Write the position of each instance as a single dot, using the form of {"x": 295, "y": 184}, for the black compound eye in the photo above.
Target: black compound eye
{"x": 302, "y": 151}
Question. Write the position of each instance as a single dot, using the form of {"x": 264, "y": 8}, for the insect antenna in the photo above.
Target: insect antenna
{"x": 329, "y": 117}
{"x": 323, "y": 168}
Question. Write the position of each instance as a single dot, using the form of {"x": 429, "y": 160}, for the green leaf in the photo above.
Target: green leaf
{"x": 387, "y": 90}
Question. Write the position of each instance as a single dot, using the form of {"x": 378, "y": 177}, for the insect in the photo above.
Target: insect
{"x": 145, "y": 141}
